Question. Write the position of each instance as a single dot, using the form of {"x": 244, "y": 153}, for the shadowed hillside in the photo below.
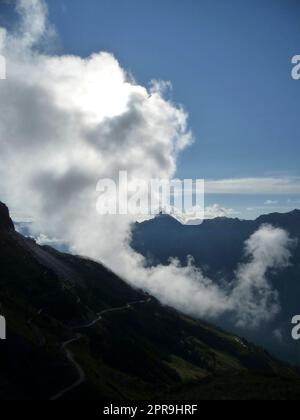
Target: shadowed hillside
{"x": 77, "y": 331}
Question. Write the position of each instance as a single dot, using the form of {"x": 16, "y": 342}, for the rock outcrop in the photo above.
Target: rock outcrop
{"x": 5, "y": 221}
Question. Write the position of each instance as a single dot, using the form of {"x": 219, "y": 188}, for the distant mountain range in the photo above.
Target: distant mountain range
{"x": 77, "y": 331}
{"x": 217, "y": 246}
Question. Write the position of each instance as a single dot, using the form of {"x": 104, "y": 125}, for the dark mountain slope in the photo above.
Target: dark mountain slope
{"x": 216, "y": 244}
{"x": 218, "y": 247}
{"x": 77, "y": 331}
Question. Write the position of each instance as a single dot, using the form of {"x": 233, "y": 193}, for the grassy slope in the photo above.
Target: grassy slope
{"x": 142, "y": 352}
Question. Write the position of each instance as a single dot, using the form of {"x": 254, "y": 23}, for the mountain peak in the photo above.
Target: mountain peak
{"x": 167, "y": 219}
{"x": 5, "y": 221}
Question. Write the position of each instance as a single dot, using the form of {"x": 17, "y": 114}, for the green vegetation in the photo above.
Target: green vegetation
{"x": 141, "y": 351}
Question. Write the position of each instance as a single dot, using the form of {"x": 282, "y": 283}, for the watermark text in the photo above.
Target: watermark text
{"x": 296, "y": 68}
{"x": 2, "y": 328}
{"x": 296, "y": 329}
{"x": 139, "y": 197}
{"x": 2, "y": 68}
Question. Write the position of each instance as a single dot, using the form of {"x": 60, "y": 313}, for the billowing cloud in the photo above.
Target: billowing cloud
{"x": 253, "y": 295}
{"x": 65, "y": 123}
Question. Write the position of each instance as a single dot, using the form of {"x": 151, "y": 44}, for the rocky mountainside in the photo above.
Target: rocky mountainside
{"x": 77, "y": 331}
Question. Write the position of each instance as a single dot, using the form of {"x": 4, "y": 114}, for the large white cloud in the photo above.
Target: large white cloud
{"x": 65, "y": 123}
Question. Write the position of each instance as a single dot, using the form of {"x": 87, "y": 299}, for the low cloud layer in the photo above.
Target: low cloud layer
{"x": 253, "y": 296}
{"x": 264, "y": 185}
{"x": 65, "y": 123}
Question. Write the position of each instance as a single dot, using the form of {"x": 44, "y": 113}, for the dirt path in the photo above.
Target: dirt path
{"x": 80, "y": 371}
{"x": 69, "y": 354}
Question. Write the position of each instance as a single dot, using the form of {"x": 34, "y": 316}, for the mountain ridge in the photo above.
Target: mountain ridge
{"x": 169, "y": 217}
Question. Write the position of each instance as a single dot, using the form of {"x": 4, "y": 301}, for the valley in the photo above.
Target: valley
{"x": 217, "y": 248}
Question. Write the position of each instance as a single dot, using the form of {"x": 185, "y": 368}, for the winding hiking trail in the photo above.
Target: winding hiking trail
{"x": 71, "y": 278}
{"x": 80, "y": 371}
{"x": 69, "y": 354}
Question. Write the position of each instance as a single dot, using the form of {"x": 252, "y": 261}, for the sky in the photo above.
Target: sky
{"x": 230, "y": 67}
{"x": 229, "y": 64}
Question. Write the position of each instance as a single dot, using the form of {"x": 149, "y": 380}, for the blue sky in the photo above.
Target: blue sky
{"x": 230, "y": 66}
{"x": 229, "y": 63}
